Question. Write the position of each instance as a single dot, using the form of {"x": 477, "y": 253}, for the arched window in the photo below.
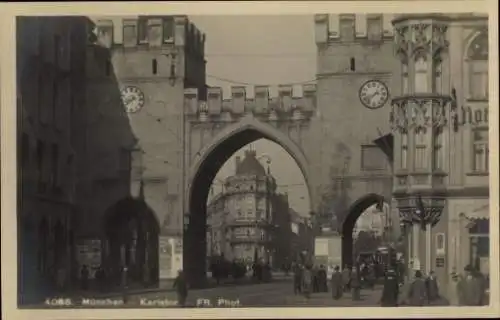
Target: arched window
{"x": 420, "y": 148}
{"x": 438, "y": 153}
{"x": 404, "y": 150}
{"x": 477, "y": 59}
{"x": 404, "y": 76}
{"x": 421, "y": 83}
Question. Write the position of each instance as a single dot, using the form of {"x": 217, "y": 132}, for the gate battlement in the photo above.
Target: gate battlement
{"x": 284, "y": 106}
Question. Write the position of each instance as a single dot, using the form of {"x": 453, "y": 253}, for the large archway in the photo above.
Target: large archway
{"x": 355, "y": 211}
{"x": 131, "y": 241}
{"x": 211, "y": 159}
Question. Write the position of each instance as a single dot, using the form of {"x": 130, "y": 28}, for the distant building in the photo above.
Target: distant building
{"x": 249, "y": 220}
{"x": 301, "y": 238}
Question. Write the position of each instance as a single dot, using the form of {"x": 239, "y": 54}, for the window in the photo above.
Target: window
{"x": 374, "y": 28}
{"x": 421, "y": 84}
{"x": 437, "y": 79}
{"x": 57, "y": 48}
{"x": 404, "y": 150}
{"x": 477, "y": 57}
{"x": 40, "y": 154}
{"x": 168, "y": 30}
{"x": 404, "y": 76}
{"x": 142, "y": 30}
{"x": 55, "y": 97}
{"x": 372, "y": 158}
{"x": 25, "y": 149}
{"x": 480, "y": 150}
{"x": 420, "y": 149}
{"x": 440, "y": 243}
{"x": 154, "y": 66}
{"x": 55, "y": 166}
{"x": 438, "y": 155}
{"x": 353, "y": 64}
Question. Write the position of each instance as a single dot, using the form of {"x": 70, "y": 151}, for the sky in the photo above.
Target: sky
{"x": 262, "y": 50}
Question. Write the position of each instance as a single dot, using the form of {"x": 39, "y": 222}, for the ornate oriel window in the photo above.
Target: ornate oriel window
{"x": 477, "y": 60}
{"x": 420, "y": 148}
{"x": 421, "y": 83}
{"x": 438, "y": 150}
{"x": 480, "y": 150}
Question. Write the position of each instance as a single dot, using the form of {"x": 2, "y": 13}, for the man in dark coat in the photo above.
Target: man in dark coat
{"x": 432, "y": 287}
{"x": 297, "y": 278}
{"x": 346, "y": 278}
{"x": 417, "y": 293}
{"x": 322, "y": 279}
{"x": 84, "y": 277}
{"x": 181, "y": 287}
{"x": 391, "y": 290}
{"x": 355, "y": 284}
{"x": 337, "y": 283}
{"x": 470, "y": 289}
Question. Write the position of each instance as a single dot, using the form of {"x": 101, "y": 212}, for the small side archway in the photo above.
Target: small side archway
{"x": 355, "y": 211}
{"x": 206, "y": 166}
{"x": 131, "y": 240}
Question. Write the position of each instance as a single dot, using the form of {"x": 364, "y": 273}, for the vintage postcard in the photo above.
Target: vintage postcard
{"x": 172, "y": 160}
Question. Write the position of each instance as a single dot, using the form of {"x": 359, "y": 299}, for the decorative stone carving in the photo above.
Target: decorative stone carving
{"x": 420, "y": 112}
{"x": 425, "y": 212}
{"x": 420, "y": 39}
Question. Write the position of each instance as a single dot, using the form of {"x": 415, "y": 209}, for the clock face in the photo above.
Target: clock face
{"x": 373, "y": 94}
{"x": 132, "y": 98}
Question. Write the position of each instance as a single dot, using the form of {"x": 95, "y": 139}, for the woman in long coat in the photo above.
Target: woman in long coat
{"x": 391, "y": 290}
{"x": 337, "y": 284}
{"x": 307, "y": 281}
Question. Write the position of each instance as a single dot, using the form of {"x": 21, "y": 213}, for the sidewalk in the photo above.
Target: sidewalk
{"x": 166, "y": 285}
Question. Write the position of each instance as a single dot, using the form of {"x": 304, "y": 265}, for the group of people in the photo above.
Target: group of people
{"x": 307, "y": 279}
{"x": 423, "y": 290}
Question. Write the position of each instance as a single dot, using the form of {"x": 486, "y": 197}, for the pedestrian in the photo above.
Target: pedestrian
{"x": 322, "y": 279}
{"x": 315, "y": 282}
{"x": 390, "y": 292}
{"x": 307, "y": 281}
{"x": 371, "y": 277}
{"x": 337, "y": 283}
{"x": 61, "y": 278}
{"x": 417, "y": 293}
{"x": 84, "y": 277}
{"x": 346, "y": 277}
{"x": 99, "y": 277}
{"x": 470, "y": 288}
{"x": 432, "y": 288}
{"x": 181, "y": 287}
{"x": 297, "y": 279}
{"x": 355, "y": 284}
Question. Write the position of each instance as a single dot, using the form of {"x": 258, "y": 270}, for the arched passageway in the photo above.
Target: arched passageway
{"x": 204, "y": 172}
{"x": 131, "y": 240}
{"x": 349, "y": 223}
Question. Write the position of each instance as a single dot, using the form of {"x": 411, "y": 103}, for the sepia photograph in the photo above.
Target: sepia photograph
{"x": 327, "y": 160}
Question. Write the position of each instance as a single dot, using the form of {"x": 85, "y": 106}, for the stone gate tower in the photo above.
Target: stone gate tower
{"x": 355, "y": 71}
{"x": 135, "y": 84}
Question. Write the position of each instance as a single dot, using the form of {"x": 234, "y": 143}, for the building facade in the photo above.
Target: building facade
{"x": 249, "y": 220}
{"x": 50, "y": 98}
{"x": 301, "y": 239}
{"x": 440, "y": 122}
{"x": 135, "y": 87}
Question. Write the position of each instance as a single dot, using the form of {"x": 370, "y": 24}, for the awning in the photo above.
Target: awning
{"x": 386, "y": 144}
